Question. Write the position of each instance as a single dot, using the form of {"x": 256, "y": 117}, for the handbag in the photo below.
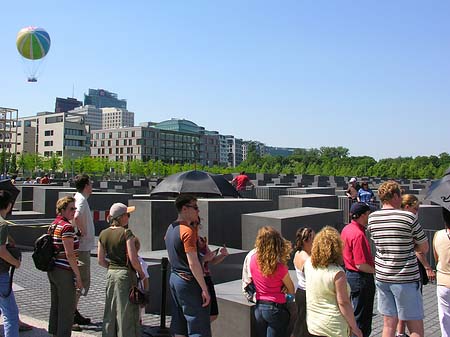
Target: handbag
{"x": 137, "y": 295}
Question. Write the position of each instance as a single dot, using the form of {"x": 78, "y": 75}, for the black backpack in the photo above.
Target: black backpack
{"x": 44, "y": 253}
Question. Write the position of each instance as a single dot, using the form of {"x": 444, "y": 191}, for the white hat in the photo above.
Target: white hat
{"x": 352, "y": 180}
{"x": 119, "y": 209}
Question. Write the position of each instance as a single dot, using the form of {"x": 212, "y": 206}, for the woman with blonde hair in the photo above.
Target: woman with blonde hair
{"x": 268, "y": 267}
{"x": 65, "y": 279}
{"x": 330, "y": 312}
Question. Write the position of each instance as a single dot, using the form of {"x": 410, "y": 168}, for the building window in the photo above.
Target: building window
{"x": 49, "y": 133}
{"x": 48, "y": 143}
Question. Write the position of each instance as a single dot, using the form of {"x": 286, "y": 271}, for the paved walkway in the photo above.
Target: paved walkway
{"x": 32, "y": 291}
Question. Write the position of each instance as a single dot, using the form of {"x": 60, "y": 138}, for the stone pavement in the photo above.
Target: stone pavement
{"x": 33, "y": 298}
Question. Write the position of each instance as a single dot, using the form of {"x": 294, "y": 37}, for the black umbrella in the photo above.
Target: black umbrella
{"x": 7, "y": 185}
{"x": 199, "y": 183}
{"x": 439, "y": 191}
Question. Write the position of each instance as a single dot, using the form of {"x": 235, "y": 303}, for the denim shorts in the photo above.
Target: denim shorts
{"x": 403, "y": 300}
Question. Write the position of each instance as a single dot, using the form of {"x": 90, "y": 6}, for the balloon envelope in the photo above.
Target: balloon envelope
{"x": 33, "y": 43}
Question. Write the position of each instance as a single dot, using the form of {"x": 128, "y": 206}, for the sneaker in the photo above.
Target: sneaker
{"x": 78, "y": 319}
{"x": 401, "y": 335}
{"x": 76, "y": 327}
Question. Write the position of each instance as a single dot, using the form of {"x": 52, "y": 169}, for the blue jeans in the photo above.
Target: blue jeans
{"x": 8, "y": 308}
{"x": 271, "y": 320}
{"x": 189, "y": 317}
{"x": 362, "y": 294}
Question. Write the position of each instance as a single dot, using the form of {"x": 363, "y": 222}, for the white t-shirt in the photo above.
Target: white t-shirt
{"x": 87, "y": 241}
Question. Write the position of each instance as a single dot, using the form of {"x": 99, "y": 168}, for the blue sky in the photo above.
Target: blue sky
{"x": 372, "y": 76}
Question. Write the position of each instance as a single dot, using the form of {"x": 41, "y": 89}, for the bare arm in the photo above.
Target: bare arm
{"x": 101, "y": 256}
{"x": 436, "y": 256}
{"x": 223, "y": 253}
{"x": 430, "y": 272}
{"x": 287, "y": 281}
{"x": 366, "y": 268}
{"x": 72, "y": 258}
{"x": 343, "y": 300}
{"x": 132, "y": 255}
{"x": 6, "y": 255}
{"x": 197, "y": 271}
{"x": 422, "y": 247}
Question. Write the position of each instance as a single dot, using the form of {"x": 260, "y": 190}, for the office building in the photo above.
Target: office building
{"x": 66, "y": 104}
{"x": 113, "y": 118}
{"x": 101, "y": 98}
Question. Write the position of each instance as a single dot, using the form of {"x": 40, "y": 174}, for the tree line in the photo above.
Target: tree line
{"x": 328, "y": 161}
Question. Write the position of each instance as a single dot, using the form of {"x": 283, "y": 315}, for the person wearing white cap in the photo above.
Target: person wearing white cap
{"x": 352, "y": 190}
{"x": 117, "y": 251}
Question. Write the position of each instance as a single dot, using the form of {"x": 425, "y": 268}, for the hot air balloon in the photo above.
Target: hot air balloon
{"x": 33, "y": 44}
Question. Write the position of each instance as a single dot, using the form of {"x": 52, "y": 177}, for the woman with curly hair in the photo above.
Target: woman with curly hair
{"x": 268, "y": 267}
{"x": 330, "y": 312}
{"x": 303, "y": 245}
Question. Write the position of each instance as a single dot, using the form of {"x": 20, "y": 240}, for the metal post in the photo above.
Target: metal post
{"x": 164, "y": 263}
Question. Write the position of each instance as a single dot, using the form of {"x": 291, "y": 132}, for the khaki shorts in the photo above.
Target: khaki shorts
{"x": 85, "y": 270}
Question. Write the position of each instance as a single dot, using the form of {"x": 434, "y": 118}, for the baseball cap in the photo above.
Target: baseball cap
{"x": 359, "y": 208}
{"x": 119, "y": 209}
{"x": 352, "y": 180}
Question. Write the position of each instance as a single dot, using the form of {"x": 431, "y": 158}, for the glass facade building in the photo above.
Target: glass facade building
{"x": 101, "y": 98}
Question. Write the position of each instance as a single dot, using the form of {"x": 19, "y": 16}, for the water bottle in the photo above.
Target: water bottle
{"x": 290, "y": 298}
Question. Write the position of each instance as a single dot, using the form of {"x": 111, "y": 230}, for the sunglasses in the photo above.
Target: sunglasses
{"x": 192, "y": 206}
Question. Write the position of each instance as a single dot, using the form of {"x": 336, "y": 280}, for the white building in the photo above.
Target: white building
{"x": 114, "y": 118}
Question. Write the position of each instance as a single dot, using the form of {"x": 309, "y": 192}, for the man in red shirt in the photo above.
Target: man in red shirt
{"x": 360, "y": 266}
{"x": 241, "y": 181}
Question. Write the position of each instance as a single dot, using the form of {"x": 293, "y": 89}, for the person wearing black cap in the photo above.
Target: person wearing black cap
{"x": 360, "y": 266}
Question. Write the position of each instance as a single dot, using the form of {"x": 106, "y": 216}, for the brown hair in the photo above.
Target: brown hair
{"x": 303, "y": 234}
{"x": 271, "y": 249}
{"x": 62, "y": 203}
{"x": 327, "y": 248}
{"x": 387, "y": 190}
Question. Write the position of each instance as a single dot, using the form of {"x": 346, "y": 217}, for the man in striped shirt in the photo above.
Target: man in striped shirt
{"x": 397, "y": 235}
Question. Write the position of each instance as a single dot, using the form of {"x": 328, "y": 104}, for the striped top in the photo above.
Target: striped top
{"x": 395, "y": 232}
{"x": 64, "y": 229}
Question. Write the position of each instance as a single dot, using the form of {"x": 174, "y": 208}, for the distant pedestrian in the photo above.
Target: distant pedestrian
{"x": 397, "y": 235}
{"x": 85, "y": 225}
{"x": 441, "y": 248}
{"x": 303, "y": 245}
{"x": 241, "y": 181}
{"x": 45, "y": 179}
{"x": 365, "y": 194}
{"x": 359, "y": 266}
{"x": 190, "y": 312}
{"x": 270, "y": 275}
{"x": 330, "y": 312}
{"x": 65, "y": 279}
{"x": 352, "y": 190}
{"x": 117, "y": 252}
{"x": 8, "y": 305}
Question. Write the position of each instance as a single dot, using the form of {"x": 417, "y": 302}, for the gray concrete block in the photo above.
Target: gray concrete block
{"x": 312, "y": 190}
{"x": 221, "y": 218}
{"x": 45, "y": 198}
{"x": 287, "y": 222}
{"x": 307, "y": 200}
{"x": 150, "y": 221}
